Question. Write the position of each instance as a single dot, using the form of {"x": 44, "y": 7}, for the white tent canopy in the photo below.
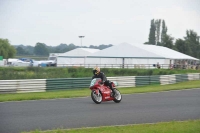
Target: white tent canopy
{"x": 79, "y": 52}
{"x": 166, "y": 52}
{"x": 124, "y": 54}
{"x": 125, "y": 50}
{"x": 76, "y": 56}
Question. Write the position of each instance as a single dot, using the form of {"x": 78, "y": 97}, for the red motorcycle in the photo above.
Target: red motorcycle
{"x": 101, "y": 92}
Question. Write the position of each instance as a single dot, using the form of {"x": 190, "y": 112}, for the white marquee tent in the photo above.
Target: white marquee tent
{"x": 74, "y": 57}
{"x": 138, "y": 55}
{"x": 166, "y": 52}
{"x": 122, "y": 55}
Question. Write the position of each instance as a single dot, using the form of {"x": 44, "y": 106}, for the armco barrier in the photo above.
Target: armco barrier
{"x": 142, "y": 80}
{"x": 181, "y": 77}
{"x": 147, "y": 80}
{"x": 193, "y": 76}
{"x": 19, "y": 86}
{"x": 67, "y": 83}
{"x": 154, "y": 79}
{"x": 41, "y": 85}
{"x": 124, "y": 81}
{"x": 167, "y": 79}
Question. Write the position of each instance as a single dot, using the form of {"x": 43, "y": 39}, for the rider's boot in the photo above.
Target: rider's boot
{"x": 113, "y": 93}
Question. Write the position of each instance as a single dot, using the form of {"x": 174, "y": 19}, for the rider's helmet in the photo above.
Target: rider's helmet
{"x": 96, "y": 70}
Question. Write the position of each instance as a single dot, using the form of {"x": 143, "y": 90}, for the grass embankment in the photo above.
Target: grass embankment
{"x": 86, "y": 92}
{"x": 163, "y": 127}
{"x": 8, "y": 73}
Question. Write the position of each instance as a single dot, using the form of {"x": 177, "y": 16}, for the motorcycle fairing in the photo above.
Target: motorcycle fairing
{"x": 106, "y": 92}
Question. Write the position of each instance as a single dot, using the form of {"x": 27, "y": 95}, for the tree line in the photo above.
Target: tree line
{"x": 190, "y": 44}
{"x": 41, "y": 49}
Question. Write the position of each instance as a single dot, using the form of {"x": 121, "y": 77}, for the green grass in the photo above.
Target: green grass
{"x": 86, "y": 92}
{"x": 8, "y": 73}
{"x": 191, "y": 126}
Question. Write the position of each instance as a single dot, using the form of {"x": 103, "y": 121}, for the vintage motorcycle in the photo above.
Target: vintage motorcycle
{"x": 101, "y": 92}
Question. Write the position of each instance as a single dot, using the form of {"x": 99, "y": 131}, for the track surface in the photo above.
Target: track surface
{"x": 83, "y": 112}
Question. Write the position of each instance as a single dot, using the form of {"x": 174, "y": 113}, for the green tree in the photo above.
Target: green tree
{"x": 157, "y": 25}
{"x": 6, "y": 50}
{"x": 41, "y": 49}
{"x": 164, "y": 31}
{"x": 168, "y": 41}
{"x": 146, "y": 43}
{"x": 103, "y": 46}
{"x": 182, "y": 47}
{"x": 22, "y": 51}
{"x": 51, "y": 49}
{"x": 92, "y": 46}
{"x": 71, "y": 47}
{"x": 152, "y": 38}
{"x": 192, "y": 40}
{"x": 30, "y": 49}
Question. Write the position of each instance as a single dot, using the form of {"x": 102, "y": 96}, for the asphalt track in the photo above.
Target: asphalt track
{"x": 83, "y": 112}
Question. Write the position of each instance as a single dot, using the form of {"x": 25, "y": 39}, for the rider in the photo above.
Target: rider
{"x": 98, "y": 74}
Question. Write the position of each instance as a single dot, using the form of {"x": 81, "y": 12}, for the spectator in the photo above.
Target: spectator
{"x": 158, "y": 65}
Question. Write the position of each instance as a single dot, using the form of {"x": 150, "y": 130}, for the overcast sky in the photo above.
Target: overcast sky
{"x": 101, "y": 21}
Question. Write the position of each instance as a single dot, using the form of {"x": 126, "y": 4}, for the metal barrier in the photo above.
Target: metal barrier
{"x": 67, "y": 83}
{"x": 20, "y": 86}
{"x": 42, "y": 85}
{"x": 124, "y": 81}
{"x": 137, "y": 66}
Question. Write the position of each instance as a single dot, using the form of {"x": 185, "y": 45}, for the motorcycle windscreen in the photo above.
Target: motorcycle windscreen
{"x": 94, "y": 81}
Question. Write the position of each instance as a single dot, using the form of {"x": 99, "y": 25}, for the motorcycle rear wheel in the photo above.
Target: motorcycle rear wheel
{"x": 118, "y": 96}
{"x": 97, "y": 98}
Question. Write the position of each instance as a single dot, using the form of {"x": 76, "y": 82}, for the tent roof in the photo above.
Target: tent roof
{"x": 125, "y": 50}
{"x": 165, "y": 52}
{"x": 79, "y": 52}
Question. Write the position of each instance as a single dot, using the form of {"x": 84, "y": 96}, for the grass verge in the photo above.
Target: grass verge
{"x": 86, "y": 92}
{"x": 191, "y": 126}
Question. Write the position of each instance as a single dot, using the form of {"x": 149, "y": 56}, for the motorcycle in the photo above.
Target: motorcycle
{"x": 101, "y": 92}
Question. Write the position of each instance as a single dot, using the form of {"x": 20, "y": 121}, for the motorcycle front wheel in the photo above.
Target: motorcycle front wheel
{"x": 97, "y": 98}
{"x": 118, "y": 96}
